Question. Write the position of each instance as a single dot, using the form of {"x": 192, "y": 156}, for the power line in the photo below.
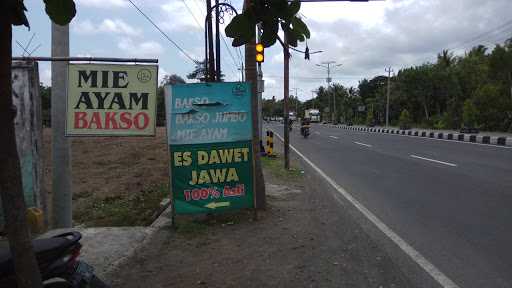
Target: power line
{"x": 482, "y": 35}
{"x": 229, "y": 51}
{"x": 222, "y": 36}
{"x": 314, "y": 78}
{"x": 193, "y": 16}
{"x": 164, "y": 34}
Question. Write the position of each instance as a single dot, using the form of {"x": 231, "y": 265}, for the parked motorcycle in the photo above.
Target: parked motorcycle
{"x": 58, "y": 263}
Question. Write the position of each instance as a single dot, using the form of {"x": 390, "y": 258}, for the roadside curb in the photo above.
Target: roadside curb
{"x": 460, "y": 137}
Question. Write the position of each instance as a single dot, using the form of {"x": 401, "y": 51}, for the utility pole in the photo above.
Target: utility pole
{"x": 296, "y": 101}
{"x": 252, "y": 77}
{"x": 389, "y": 70}
{"x": 286, "y": 84}
{"x": 217, "y": 41}
{"x": 61, "y": 154}
{"x": 260, "y": 85}
{"x": 327, "y": 65}
{"x": 211, "y": 57}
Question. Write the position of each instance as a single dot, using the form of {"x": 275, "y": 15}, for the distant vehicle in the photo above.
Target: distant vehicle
{"x": 293, "y": 116}
{"x": 349, "y": 123}
{"x": 313, "y": 115}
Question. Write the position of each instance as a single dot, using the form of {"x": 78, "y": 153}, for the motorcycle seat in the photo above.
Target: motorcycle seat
{"x": 47, "y": 250}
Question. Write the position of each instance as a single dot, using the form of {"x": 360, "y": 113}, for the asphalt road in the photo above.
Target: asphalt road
{"x": 450, "y": 201}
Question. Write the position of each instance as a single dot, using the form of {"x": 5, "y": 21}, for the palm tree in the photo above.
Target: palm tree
{"x": 445, "y": 58}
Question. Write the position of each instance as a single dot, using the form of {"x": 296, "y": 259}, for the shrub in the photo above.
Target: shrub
{"x": 469, "y": 114}
{"x": 405, "y": 120}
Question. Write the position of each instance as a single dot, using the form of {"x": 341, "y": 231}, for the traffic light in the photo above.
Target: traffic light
{"x": 260, "y": 53}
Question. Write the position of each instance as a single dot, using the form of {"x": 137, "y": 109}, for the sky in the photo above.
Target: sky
{"x": 364, "y": 38}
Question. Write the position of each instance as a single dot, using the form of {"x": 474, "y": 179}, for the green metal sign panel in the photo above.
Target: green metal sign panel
{"x": 212, "y": 177}
{"x": 209, "y": 135}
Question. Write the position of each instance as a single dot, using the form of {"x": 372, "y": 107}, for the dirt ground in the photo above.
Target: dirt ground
{"x": 303, "y": 239}
{"x": 111, "y": 168}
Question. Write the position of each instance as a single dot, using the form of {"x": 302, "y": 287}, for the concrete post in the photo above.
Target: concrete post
{"x": 61, "y": 154}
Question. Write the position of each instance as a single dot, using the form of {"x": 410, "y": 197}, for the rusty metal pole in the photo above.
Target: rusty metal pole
{"x": 252, "y": 77}
{"x": 211, "y": 57}
{"x": 286, "y": 84}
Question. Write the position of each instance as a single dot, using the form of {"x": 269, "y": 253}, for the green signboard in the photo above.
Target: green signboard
{"x": 209, "y": 135}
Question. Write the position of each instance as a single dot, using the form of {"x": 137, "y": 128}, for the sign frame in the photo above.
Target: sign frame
{"x": 152, "y": 108}
{"x": 168, "y": 91}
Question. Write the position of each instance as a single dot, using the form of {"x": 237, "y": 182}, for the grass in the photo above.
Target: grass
{"x": 275, "y": 165}
{"x": 126, "y": 210}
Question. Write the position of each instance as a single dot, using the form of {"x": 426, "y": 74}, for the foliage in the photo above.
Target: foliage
{"x": 45, "y": 92}
{"x": 435, "y": 95}
{"x": 469, "y": 114}
{"x": 405, "y": 119}
{"x": 172, "y": 79}
{"x": 370, "y": 116}
{"x": 271, "y": 14}
{"x": 60, "y": 12}
{"x": 200, "y": 73}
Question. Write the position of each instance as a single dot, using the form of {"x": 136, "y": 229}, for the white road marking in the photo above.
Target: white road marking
{"x": 435, "y": 273}
{"x": 436, "y": 139}
{"x": 316, "y": 132}
{"x": 334, "y": 137}
{"x": 359, "y": 143}
{"x": 433, "y": 160}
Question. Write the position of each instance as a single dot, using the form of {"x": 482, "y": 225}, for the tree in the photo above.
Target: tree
{"x": 469, "y": 114}
{"x": 270, "y": 14}
{"x": 370, "y": 118}
{"x": 405, "y": 119}
{"x": 493, "y": 107}
{"x": 200, "y": 73}
{"x": 12, "y": 12}
{"x": 172, "y": 79}
{"x": 45, "y": 92}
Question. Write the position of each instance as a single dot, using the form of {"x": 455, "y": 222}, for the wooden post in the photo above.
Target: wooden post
{"x": 13, "y": 203}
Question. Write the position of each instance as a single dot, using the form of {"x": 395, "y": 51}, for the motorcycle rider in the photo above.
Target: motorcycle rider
{"x": 305, "y": 124}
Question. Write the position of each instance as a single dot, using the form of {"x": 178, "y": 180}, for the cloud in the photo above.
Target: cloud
{"x": 83, "y": 27}
{"x": 180, "y": 18}
{"x": 150, "y": 49}
{"x": 374, "y": 35}
{"x": 161, "y": 74}
{"x": 103, "y": 3}
{"x": 118, "y": 26}
{"x": 46, "y": 75}
{"x": 114, "y": 26}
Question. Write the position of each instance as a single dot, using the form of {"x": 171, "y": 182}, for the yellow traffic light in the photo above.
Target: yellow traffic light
{"x": 260, "y": 53}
